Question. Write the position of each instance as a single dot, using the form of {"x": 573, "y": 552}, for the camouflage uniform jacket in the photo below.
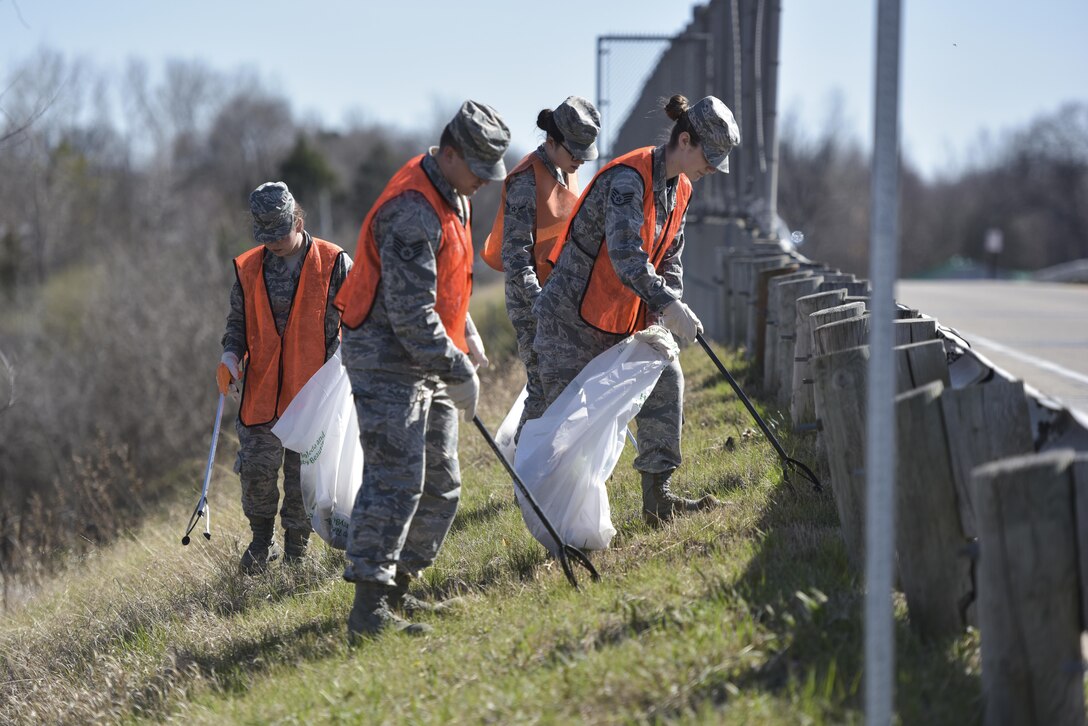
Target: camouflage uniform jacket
{"x": 403, "y": 336}
{"x": 518, "y": 238}
{"x": 612, "y": 211}
{"x": 281, "y": 280}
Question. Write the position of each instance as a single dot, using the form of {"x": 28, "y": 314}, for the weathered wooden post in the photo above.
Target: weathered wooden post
{"x": 934, "y": 563}
{"x": 736, "y": 316}
{"x": 863, "y": 299}
{"x": 984, "y": 422}
{"x": 914, "y": 330}
{"x": 904, "y": 313}
{"x": 840, "y": 397}
{"x": 839, "y": 279}
{"x": 741, "y": 271}
{"x": 1029, "y": 589}
{"x": 756, "y": 282}
{"x": 840, "y": 335}
{"x": 819, "y": 319}
{"x": 728, "y": 261}
{"x": 835, "y": 314}
{"x": 802, "y": 402}
{"x": 759, "y": 312}
{"x": 920, "y": 363}
{"x": 787, "y": 322}
{"x": 852, "y": 287}
{"x": 770, "y": 337}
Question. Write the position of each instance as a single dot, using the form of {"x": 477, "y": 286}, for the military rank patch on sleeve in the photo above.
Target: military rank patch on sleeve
{"x": 620, "y": 199}
{"x": 408, "y": 249}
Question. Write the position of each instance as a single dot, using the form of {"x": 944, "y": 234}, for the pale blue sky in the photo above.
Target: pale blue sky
{"x": 968, "y": 65}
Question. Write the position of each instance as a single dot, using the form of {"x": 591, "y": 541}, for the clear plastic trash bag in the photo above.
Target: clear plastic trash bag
{"x": 321, "y": 425}
{"x": 565, "y": 457}
{"x": 508, "y": 429}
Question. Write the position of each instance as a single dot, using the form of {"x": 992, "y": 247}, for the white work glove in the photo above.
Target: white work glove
{"x": 465, "y": 395}
{"x": 228, "y": 375}
{"x": 658, "y": 338}
{"x": 475, "y": 347}
{"x": 681, "y": 321}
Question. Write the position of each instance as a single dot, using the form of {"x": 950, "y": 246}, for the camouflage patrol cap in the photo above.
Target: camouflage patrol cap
{"x": 714, "y": 123}
{"x": 483, "y": 137}
{"x": 579, "y": 122}
{"x": 273, "y": 210}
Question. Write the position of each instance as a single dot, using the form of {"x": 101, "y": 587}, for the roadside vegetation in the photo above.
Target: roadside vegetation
{"x": 746, "y": 614}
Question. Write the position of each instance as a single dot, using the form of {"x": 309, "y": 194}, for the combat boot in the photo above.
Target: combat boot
{"x": 400, "y": 599}
{"x": 659, "y": 504}
{"x": 262, "y": 550}
{"x": 371, "y": 615}
{"x": 294, "y": 545}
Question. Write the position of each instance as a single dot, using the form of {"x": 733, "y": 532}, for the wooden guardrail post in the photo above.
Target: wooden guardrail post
{"x": 904, "y": 313}
{"x": 802, "y": 402}
{"x": 863, "y": 299}
{"x": 934, "y": 563}
{"x": 914, "y": 330}
{"x": 756, "y": 284}
{"x": 984, "y": 422}
{"x": 855, "y": 287}
{"x": 835, "y": 314}
{"x": 840, "y": 397}
{"x": 770, "y": 336}
{"x": 1029, "y": 589}
{"x": 758, "y": 329}
{"x": 728, "y": 262}
{"x": 787, "y": 335}
{"x": 920, "y": 363}
{"x": 736, "y": 316}
{"x": 840, "y": 335}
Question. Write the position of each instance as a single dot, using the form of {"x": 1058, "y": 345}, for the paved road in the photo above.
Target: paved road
{"x": 1035, "y": 331}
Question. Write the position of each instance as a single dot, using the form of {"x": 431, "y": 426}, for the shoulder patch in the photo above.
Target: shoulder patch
{"x": 408, "y": 249}
{"x": 620, "y": 199}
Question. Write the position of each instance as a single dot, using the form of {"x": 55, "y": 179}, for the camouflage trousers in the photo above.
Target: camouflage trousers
{"x": 564, "y": 348}
{"x": 260, "y": 456}
{"x": 521, "y": 316}
{"x": 411, "y": 477}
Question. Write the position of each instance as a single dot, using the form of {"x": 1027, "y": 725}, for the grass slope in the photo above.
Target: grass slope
{"x": 747, "y": 614}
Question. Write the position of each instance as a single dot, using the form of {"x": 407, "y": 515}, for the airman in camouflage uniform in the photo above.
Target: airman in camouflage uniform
{"x": 572, "y": 131}
{"x": 260, "y": 456}
{"x": 611, "y": 214}
{"x": 409, "y": 379}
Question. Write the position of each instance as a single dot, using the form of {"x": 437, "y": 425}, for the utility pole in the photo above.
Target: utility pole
{"x": 880, "y": 441}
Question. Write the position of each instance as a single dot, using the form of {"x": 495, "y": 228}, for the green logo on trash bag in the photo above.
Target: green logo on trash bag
{"x": 314, "y": 452}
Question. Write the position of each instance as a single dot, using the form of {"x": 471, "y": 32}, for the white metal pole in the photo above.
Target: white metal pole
{"x": 880, "y": 448}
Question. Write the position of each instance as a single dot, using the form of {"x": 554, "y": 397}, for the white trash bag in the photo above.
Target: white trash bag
{"x": 320, "y": 423}
{"x": 508, "y": 429}
{"x": 565, "y": 457}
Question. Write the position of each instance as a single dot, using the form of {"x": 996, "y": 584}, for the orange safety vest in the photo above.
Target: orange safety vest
{"x": 279, "y": 366}
{"x": 554, "y": 203}
{"x": 607, "y": 304}
{"x": 454, "y": 259}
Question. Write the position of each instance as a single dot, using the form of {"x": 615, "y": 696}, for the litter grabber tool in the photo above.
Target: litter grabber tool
{"x": 202, "y": 509}
{"x": 565, "y": 552}
{"x": 787, "y": 462}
